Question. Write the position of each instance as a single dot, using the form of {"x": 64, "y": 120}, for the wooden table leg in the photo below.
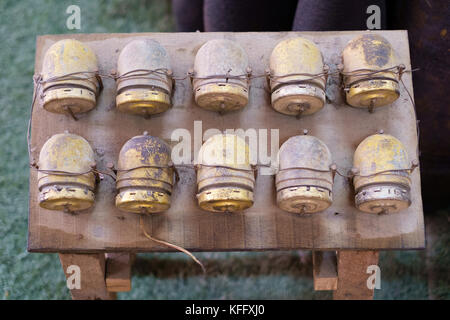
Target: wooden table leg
{"x": 85, "y": 275}
{"x": 352, "y": 274}
{"x": 118, "y": 271}
{"x": 325, "y": 270}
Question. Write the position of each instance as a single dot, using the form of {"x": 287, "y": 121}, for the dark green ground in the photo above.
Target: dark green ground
{"x": 273, "y": 275}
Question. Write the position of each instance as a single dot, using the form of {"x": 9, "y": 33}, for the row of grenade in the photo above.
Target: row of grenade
{"x": 225, "y": 176}
{"x": 220, "y": 77}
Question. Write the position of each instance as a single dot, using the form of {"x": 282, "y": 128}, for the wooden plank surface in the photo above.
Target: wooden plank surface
{"x": 262, "y": 227}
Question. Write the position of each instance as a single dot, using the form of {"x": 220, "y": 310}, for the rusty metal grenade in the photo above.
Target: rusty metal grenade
{"x": 65, "y": 178}
{"x": 382, "y": 184}
{"x": 297, "y": 78}
{"x": 225, "y": 179}
{"x": 220, "y": 76}
{"x": 144, "y": 175}
{"x": 144, "y": 85}
{"x": 362, "y": 58}
{"x": 69, "y": 76}
{"x": 304, "y": 182}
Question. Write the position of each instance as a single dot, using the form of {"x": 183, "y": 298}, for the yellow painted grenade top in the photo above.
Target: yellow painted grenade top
{"x": 220, "y": 76}
{"x": 363, "y": 56}
{"x": 297, "y": 79}
{"x": 144, "y": 85}
{"x": 225, "y": 178}
{"x": 65, "y": 179}
{"x": 382, "y": 184}
{"x": 304, "y": 182}
{"x": 144, "y": 175}
{"x": 69, "y": 75}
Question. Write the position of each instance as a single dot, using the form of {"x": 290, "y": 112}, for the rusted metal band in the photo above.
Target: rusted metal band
{"x": 165, "y": 76}
{"x": 305, "y": 186}
{"x": 68, "y": 173}
{"x": 348, "y": 86}
{"x": 76, "y": 76}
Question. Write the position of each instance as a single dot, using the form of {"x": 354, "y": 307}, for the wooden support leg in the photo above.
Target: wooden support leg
{"x": 325, "y": 270}
{"x": 352, "y": 274}
{"x": 118, "y": 271}
{"x": 85, "y": 275}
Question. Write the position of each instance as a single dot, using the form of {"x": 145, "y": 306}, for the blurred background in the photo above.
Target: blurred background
{"x": 420, "y": 274}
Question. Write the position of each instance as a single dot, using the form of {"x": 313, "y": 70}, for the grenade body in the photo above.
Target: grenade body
{"x": 144, "y": 177}
{"x": 225, "y": 180}
{"x": 380, "y": 186}
{"x": 296, "y": 94}
{"x": 66, "y": 192}
{"x": 300, "y": 189}
{"x": 79, "y": 95}
{"x": 212, "y": 89}
{"x": 147, "y": 94}
{"x": 371, "y": 52}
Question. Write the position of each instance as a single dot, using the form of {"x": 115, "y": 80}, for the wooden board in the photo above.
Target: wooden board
{"x": 264, "y": 226}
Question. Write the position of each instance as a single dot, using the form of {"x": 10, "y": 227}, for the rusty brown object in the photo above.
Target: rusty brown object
{"x": 352, "y": 269}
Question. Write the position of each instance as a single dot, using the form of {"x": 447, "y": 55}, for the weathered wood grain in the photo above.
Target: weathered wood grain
{"x": 92, "y": 275}
{"x": 353, "y": 276}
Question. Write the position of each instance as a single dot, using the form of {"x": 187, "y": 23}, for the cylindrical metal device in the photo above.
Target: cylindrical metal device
{"x": 225, "y": 178}
{"x": 144, "y": 175}
{"x": 220, "y": 76}
{"x": 65, "y": 178}
{"x": 143, "y": 83}
{"x": 363, "y": 56}
{"x": 293, "y": 64}
{"x": 382, "y": 182}
{"x": 304, "y": 181}
{"x": 69, "y": 76}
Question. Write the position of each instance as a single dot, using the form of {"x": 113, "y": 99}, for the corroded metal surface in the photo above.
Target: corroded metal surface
{"x": 66, "y": 153}
{"x": 305, "y": 181}
{"x": 143, "y": 94}
{"x": 63, "y": 58}
{"x": 297, "y": 56}
{"x": 214, "y": 61}
{"x": 370, "y": 52}
{"x": 382, "y": 184}
{"x": 144, "y": 178}
{"x": 225, "y": 179}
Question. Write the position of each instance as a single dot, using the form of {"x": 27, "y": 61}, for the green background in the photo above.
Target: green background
{"x": 262, "y": 275}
